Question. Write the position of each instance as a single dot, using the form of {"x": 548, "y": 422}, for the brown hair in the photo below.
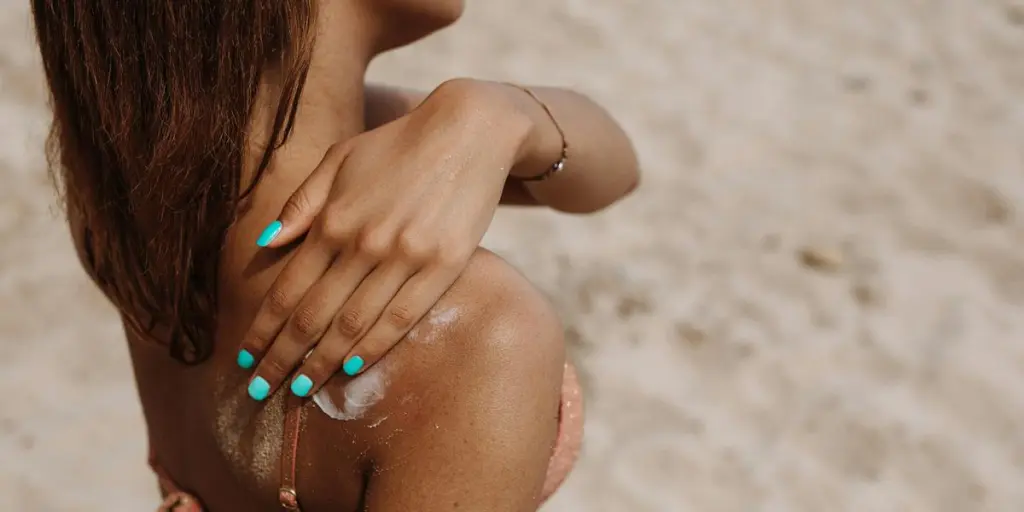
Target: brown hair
{"x": 151, "y": 109}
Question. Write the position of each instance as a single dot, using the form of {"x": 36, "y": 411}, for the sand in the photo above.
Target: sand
{"x": 815, "y": 301}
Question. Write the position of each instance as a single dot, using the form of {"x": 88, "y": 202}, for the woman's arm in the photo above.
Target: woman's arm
{"x": 393, "y": 214}
{"x": 601, "y": 168}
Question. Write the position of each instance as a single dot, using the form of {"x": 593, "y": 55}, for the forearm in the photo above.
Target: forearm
{"x": 601, "y": 166}
{"x": 385, "y": 104}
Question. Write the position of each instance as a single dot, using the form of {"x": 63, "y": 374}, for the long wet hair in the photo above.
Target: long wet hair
{"x": 151, "y": 108}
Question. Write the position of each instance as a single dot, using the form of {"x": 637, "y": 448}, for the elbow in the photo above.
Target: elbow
{"x": 631, "y": 170}
{"x": 632, "y": 180}
{"x": 628, "y": 181}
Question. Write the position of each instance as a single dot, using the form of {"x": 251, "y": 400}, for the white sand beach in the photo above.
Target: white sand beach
{"x": 815, "y": 301}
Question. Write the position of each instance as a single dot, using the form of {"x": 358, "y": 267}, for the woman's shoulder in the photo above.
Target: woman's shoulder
{"x": 488, "y": 356}
{"x": 491, "y": 322}
{"x": 491, "y": 311}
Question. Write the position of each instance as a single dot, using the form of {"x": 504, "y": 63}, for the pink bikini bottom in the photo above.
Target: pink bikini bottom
{"x": 567, "y": 447}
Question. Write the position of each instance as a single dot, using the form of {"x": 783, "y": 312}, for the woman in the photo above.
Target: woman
{"x": 180, "y": 127}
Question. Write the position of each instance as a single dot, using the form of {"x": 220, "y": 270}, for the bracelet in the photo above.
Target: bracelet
{"x": 560, "y": 164}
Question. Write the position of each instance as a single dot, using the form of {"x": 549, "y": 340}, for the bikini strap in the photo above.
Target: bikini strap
{"x": 175, "y": 500}
{"x": 287, "y": 494}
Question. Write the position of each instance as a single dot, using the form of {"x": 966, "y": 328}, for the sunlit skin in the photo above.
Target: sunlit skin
{"x": 467, "y": 412}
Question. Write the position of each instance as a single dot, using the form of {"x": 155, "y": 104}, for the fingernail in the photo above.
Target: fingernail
{"x": 352, "y": 366}
{"x": 245, "y": 359}
{"x": 269, "y": 234}
{"x": 301, "y": 385}
{"x": 258, "y": 388}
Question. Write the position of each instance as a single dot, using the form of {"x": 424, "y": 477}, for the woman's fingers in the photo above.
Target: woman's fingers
{"x": 307, "y": 323}
{"x": 299, "y": 274}
{"x": 306, "y": 202}
{"x": 411, "y": 303}
{"x": 352, "y": 322}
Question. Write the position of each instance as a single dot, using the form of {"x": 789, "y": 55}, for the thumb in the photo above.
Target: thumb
{"x": 302, "y": 206}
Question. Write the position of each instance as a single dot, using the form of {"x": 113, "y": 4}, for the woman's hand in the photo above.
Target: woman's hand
{"x": 392, "y": 217}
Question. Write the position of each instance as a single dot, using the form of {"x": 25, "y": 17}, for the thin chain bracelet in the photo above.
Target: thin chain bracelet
{"x": 560, "y": 164}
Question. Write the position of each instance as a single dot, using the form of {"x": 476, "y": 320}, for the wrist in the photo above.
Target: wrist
{"x": 481, "y": 107}
{"x": 543, "y": 143}
{"x": 514, "y": 123}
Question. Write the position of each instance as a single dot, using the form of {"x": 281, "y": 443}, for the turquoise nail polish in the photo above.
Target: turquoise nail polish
{"x": 245, "y": 359}
{"x": 301, "y": 385}
{"x": 258, "y": 388}
{"x": 269, "y": 234}
{"x": 352, "y": 366}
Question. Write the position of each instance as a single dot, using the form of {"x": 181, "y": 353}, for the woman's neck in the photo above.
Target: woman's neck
{"x": 346, "y": 38}
{"x": 331, "y": 106}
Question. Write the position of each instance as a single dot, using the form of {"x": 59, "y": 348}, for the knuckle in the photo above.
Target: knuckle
{"x": 257, "y": 341}
{"x": 297, "y": 203}
{"x": 374, "y": 244}
{"x": 274, "y": 367}
{"x": 373, "y": 350}
{"x": 315, "y": 368}
{"x": 334, "y": 229}
{"x": 414, "y": 247}
{"x": 400, "y": 316}
{"x": 278, "y": 302}
{"x": 315, "y": 361}
{"x": 324, "y": 362}
{"x": 304, "y": 321}
{"x": 451, "y": 259}
{"x": 350, "y": 323}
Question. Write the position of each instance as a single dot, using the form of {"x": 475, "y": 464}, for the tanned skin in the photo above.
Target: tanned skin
{"x": 469, "y": 414}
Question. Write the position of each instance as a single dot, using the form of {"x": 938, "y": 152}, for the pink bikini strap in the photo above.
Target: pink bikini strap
{"x": 287, "y": 494}
{"x": 165, "y": 480}
{"x": 175, "y": 500}
{"x": 179, "y": 501}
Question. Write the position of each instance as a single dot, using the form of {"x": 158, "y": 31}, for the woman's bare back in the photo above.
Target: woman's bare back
{"x": 465, "y": 412}
{"x": 475, "y": 387}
